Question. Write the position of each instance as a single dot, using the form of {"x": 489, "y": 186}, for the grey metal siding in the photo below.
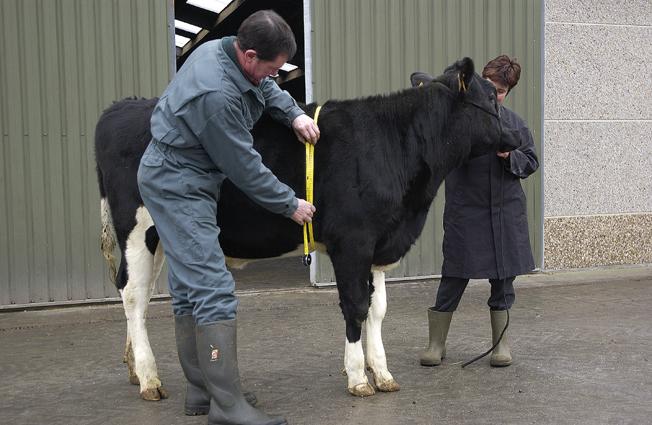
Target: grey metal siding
{"x": 63, "y": 63}
{"x": 366, "y": 47}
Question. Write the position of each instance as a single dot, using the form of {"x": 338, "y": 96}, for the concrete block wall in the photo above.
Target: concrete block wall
{"x": 597, "y": 133}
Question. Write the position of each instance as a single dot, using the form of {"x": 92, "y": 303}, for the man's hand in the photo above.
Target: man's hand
{"x": 304, "y": 212}
{"x": 305, "y": 129}
{"x": 503, "y": 155}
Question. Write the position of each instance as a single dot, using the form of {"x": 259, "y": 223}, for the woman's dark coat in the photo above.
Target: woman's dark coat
{"x": 477, "y": 243}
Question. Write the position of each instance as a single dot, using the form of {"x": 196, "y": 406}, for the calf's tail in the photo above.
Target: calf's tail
{"x": 107, "y": 238}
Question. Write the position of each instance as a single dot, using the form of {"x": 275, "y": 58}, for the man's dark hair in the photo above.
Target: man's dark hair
{"x": 504, "y": 70}
{"x": 268, "y": 34}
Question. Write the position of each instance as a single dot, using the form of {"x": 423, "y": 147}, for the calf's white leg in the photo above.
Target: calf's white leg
{"x": 358, "y": 384}
{"x": 143, "y": 269}
{"x": 376, "y": 359}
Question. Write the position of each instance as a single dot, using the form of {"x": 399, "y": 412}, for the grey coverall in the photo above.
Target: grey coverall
{"x": 201, "y": 135}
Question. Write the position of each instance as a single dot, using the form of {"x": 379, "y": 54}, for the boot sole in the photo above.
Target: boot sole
{"x": 196, "y": 410}
{"x": 202, "y": 410}
{"x": 429, "y": 363}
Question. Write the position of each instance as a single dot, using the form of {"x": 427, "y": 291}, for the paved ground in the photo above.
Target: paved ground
{"x": 582, "y": 344}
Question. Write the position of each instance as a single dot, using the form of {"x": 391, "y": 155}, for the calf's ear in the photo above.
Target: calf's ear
{"x": 465, "y": 69}
{"x": 420, "y": 78}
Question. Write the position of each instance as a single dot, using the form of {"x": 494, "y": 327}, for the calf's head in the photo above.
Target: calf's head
{"x": 475, "y": 112}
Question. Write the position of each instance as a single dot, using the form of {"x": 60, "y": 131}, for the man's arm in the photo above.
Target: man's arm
{"x": 283, "y": 108}
{"x": 229, "y": 144}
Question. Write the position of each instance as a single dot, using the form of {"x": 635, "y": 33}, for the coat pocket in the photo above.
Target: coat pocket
{"x": 152, "y": 157}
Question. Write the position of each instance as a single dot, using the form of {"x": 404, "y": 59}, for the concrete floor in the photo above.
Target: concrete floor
{"x": 582, "y": 345}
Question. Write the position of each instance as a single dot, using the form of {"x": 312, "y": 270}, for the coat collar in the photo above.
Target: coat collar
{"x": 227, "y": 57}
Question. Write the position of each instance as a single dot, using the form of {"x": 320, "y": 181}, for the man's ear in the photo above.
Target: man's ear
{"x": 420, "y": 78}
{"x": 250, "y": 54}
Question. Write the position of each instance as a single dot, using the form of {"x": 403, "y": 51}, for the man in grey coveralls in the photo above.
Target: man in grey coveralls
{"x": 201, "y": 135}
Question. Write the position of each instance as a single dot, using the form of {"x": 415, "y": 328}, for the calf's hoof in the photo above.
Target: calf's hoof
{"x": 154, "y": 394}
{"x": 388, "y": 386}
{"x": 362, "y": 390}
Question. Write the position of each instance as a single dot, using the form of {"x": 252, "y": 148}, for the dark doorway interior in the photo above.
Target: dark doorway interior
{"x": 226, "y": 22}
{"x": 281, "y": 273}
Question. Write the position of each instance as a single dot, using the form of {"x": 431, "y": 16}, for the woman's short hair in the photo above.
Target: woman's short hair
{"x": 504, "y": 70}
{"x": 268, "y": 34}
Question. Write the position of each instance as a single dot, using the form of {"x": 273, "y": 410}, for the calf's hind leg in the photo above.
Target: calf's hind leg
{"x": 143, "y": 267}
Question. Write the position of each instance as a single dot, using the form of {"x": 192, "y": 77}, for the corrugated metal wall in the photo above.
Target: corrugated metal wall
{"x": 63, "y": 62}
{"x": 366, "y": 47}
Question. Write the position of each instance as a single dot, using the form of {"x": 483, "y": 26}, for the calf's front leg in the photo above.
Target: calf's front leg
{"x": 358, "y": 384}
{"x": 376, "y": 359}
{"x": 352, "y": 275}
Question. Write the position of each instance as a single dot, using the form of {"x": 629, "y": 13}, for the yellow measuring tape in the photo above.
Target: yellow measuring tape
{"x": 308, "y": 234}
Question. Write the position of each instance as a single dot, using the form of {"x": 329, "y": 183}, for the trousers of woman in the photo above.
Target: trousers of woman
{"x": 451, "y": 290}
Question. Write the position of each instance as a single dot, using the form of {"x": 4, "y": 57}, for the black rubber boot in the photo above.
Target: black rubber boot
{"x": 198, "y": 401}
{"x": 218, "y": 362}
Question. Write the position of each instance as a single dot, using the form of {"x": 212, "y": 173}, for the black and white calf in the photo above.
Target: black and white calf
{"x": 379, "y": 163}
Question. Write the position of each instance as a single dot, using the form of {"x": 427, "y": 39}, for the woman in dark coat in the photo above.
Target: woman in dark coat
{"x": 485, "y": 226}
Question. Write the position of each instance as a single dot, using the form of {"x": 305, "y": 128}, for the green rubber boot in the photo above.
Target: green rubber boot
{"x": 218, "y": 362}
{"x": 438, "y": 324}
{"x": 501, "y": 356}
{"x": 197, "y": 401}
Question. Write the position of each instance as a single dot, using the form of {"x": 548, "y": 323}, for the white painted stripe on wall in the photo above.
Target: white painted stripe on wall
{"x": 307, "y": 43}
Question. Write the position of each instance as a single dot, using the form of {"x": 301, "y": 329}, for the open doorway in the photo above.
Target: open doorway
{"x": 198, "y": 21}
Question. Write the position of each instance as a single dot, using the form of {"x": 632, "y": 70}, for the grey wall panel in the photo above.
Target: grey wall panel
{"x": 64, "y": 62}
{"x": 607, "y": 116}
{"x": 372, "y": 46}
{"x": 598, "y": 121}
{"x": 581, "y": 182}
{"x": 621, "y": 12}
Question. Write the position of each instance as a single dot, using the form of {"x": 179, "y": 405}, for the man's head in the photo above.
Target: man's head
{"x": 504, "y": 72}
{"x": 265, "y": 42}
